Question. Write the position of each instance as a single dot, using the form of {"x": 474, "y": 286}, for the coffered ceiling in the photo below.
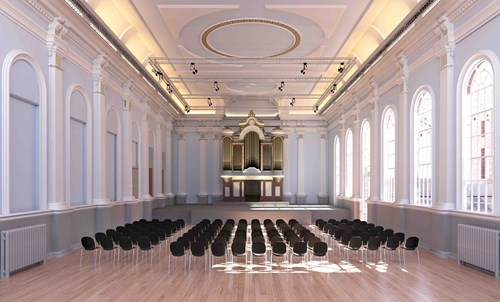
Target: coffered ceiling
{"x": 251, "y": 48}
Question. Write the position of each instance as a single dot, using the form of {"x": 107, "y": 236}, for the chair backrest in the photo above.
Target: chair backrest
{"x": 312, "y": 241}
{"x": 308, "y": 236}
{"x": 389, "y": 232}
{"x": 238, "y": 248}
{"x": 126, "y": 243}
{"x": 339, "y": 233}
{"x": 186, "y": 243}
{"x": 355, "y": 243}
{"x": 107, "y": 243}
{"x": 240, "y": 239}
{"x": 258, "y": 248}
{"x": 153, "y": 236}
{"x": 356, "y": 232}
{"x": 88, "y": 243}
{"x": 218, "y": 248}
{"x": 401, "y": 237}
{"x": 198, "y": 248}
{"x": 392, "y": 243}
{"x": 110, "y": 232}
{"x": 258, "y": 239}
{"x": 299, "y": 248}
{"x": 365, "y": 236}
{"x": 177, "y": 248}
{"x": 346, "y": 237}
{"x": 373, "y": 243}
{"x": 144, "y": 243}
{"x": 382, "y": 236}
{"x": 411, "y": 243}
{"x": 98, "y": 237}
{"x": 279, "y": 248}
{"x": 276, "y": 239}
{"x": 320, "y": 248}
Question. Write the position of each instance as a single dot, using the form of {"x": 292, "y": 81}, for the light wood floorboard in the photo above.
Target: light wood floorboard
{"x": 434, "y": 280}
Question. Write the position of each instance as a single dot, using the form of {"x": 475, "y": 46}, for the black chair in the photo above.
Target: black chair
{"x": 389, "y": 232}
{"x": 354, "y": 245}
{"x": 279, "y": 249}
{"x": 238, "y": 249}
{"x": 372, "y": 246}
{"x": 320, "y": 249}
{"x": 198, "y": 250}
{"x": 177, "y": 250}
{"x": 401, "y": 237}
{"x": 299, "y": 249}
{"x": 218, "y": 249}
{"x": 383, "y": 237}
{"x": 259, "y": 250}
{"x": 88, "y": 244}
{"x": 344, "y": 241}
{"x": 392, "y": 245}
{"x": 110, "y": 232}
{"x": 126, "y": 246}
{"x": 98, "y": 236}
{"x": 145, "y": 246}
{"x": 411, "y": 244}
{"x": 107, "y": 246}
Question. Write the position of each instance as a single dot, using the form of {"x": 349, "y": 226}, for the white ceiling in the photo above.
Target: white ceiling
{"x": 186, "y": 31}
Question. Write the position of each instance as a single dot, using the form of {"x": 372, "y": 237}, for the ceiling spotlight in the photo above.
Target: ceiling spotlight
{"x": 187, "y": 108}
{"x": 169, "y": 88}
{"x": 334, "y": 87}
{"x": 303, "y": 71}
{"x": 292, "y": 102}
{"x": 209, "y": 101}
{"x": 341, "y": 68}
{"x": 193, "y": 69}
{"x": 157, "y": 73}
{"x": 282, "y": 85}
{"x": 315, "y": 108}
{"x": 216, "y": 86}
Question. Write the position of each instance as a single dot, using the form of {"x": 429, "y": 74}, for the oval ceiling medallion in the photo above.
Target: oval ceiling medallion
{"x": 250, "y": 38}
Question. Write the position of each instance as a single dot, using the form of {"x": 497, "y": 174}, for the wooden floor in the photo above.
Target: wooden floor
{"x": 65, "y": 279}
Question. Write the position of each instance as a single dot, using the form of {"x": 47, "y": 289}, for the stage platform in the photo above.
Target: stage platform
{"x": 305, "y": 214}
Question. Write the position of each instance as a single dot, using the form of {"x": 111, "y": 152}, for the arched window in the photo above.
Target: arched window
{"x": 478, "y": 138}
{"x": 422, "y": 138}
{"x": 348, "y": 163}
{"x": 365, "y": 160}
{"x": 336, "y": 146}
{"x": 389, "y": 155}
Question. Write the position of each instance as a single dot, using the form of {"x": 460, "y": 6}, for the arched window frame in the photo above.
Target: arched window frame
{"x": 422, "y": 151}
{"x": 462, "y": 87}
{"x": 388, "y": 183}
{"x": 349, "y": 171}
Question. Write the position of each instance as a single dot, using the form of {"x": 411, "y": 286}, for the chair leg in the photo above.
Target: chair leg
{"x": 81, "y": 255}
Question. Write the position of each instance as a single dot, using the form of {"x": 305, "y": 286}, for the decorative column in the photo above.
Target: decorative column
{"x": 216, "y": 168}
{"x": 375, "y": 173}
{"x": 202, "y": 193}
{"x": 322, "y": 195}
{"x": 57, "y": 181}
{"x": 301, "y": 194}
{"x": 127, "y": 143}
{"x": 157, "y": 161}
{"x": 168, "y": 164}
{"x": 341, "y": 193}
{"x": 144, "y": 170}
{"x": 444, "y": 146}
{"x": 287, "y": 194}
{"x": 99, "y": 137}
{"x": 356, "y": 152}
{"x": 180, "y": 198}
{"x": 403, "y": 136}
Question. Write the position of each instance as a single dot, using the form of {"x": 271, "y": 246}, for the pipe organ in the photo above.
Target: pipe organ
{"x": 252, "y": 162}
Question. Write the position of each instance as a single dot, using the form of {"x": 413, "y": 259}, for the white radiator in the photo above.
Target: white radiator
{"x": 21, "y": 248}
{"x": 479, "y": 247}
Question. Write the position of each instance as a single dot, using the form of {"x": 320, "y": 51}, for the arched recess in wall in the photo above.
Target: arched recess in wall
{"x": 23, "y": 134}
{"x": 113, "y": 154}
{"x": 136, "y": 158}
{"x": 78, "y": 142}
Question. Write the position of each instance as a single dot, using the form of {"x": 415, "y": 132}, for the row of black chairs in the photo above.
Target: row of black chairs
{"x": 357, "y": 235}
{"x": 142, "y": 235}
